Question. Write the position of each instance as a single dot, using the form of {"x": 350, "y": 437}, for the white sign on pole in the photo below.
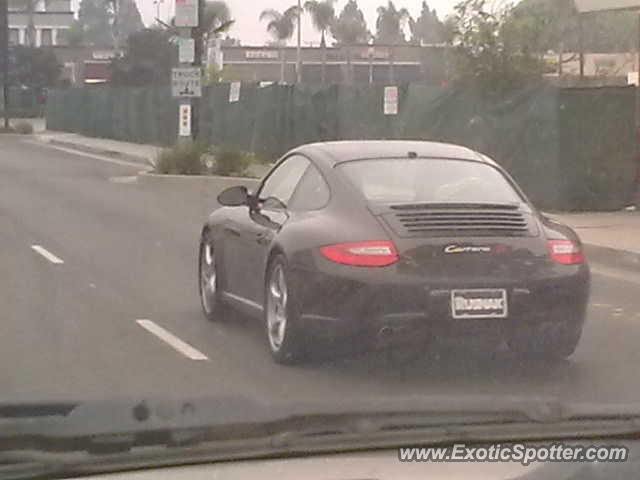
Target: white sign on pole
{"x": 185, "y": 120}
{"x": 234, "y": 92}
{"x": 186, "y": 13}
{"x": 390, "y": 100}
{"x": 186, "y": 82}
{"x": 186, "y": 50}
{"x": 585, "y": 6}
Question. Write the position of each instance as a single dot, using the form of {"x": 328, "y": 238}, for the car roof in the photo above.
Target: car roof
{"x": 342, "y": 151}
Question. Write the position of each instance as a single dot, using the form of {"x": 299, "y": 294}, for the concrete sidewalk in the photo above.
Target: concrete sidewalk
{"x": 610, "y": 238}
{"x": 132, "y": 152}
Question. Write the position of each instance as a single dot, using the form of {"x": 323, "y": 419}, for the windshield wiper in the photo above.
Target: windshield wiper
{"x": 177, "y": 432}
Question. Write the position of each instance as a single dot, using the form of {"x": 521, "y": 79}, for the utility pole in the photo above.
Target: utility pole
{"x": 638, "y": 79}
{"x": 158, "y": 3}
{"x": 4, "y": 54}
{"x": 116, "y": 26}
{"x": 199, "y": 52}
{"x": 186, "y": 80}
{"x": 299, "y": 48}
{"x": 581, "y": 40}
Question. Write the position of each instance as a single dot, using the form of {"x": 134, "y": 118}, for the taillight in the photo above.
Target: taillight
{"x": 362, "y": 254}
{"x": 565, "y": 252}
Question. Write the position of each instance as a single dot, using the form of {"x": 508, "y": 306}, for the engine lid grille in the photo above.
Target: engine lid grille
{"x": 460, "y": 220}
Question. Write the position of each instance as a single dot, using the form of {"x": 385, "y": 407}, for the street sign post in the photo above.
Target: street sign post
{"x": 186, "y": 50}
{"x": 4, "y": 58}
{"x": 185, "y": 120}
{"x": 234, "y": 92}
{"x": 390, "y": 100}
{"x": 186, "y": 82}
{"x": 187, "y": 13}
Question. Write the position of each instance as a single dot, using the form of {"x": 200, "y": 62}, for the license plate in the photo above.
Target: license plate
{"x": 485, "y": 303}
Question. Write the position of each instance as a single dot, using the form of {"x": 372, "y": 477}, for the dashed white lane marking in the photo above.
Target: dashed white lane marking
{"x": 602, "y": 305}
{"x": 124, "y": 180}
{"x": 47, "y": 254}
{"x": 171, "y": 340}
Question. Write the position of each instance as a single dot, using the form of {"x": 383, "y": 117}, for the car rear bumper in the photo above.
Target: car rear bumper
{"x": 342, "y": 301}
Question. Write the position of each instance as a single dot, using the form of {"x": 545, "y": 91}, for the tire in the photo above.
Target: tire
{"x": 285, "y": 338}
{"x": 209, "y": 280}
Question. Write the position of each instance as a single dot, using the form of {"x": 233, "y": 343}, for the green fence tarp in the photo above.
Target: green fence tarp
{"x": 570, "y": 149}
{"x": 24, "y": 102}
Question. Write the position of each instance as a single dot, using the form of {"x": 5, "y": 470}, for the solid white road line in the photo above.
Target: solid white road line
{"x": 46, "y": 254}
{"x": 170, "y": 339}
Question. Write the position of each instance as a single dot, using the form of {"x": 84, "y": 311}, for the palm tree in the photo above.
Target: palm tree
{"x": 389, "y": 26}
{"x": 323, "y": 16}
{"x": 350, "y": 28}
{"x": 30, "y": 32}
{"x": 281, "y": 25}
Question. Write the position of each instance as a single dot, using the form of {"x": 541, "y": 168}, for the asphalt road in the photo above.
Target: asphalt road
{"x": 91, "y": 326}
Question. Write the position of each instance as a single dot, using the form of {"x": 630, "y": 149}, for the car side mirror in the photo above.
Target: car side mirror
{"x": 234, "y": 196}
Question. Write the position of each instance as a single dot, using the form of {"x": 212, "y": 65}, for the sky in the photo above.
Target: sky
{"x": 251, "y": 32}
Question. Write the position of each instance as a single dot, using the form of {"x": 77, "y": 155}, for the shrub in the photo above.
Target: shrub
{"x": 23, "y": 128}
{"x": 229, "y": 163}
{"x": 183, "y": 159}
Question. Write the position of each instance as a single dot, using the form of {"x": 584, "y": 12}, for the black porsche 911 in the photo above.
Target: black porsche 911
{"x": 371, "y": 239}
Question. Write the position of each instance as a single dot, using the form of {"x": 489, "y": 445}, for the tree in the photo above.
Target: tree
{"x": 73, "y": 36}
{"x": 281, "y": 26}
{"x": 546, "y": 26}
{"x": 350, "y": 28}
{"x": 95, "y": 17}
{"x": 33, "y": 67}
{"x": 148, "y": 59}
{"x": 126, "y": 20}
{"x": 390, "y": 30}
{"x": 215, "y": 21}
{"x": 553, "y": 25}
{"x": 611, "y": 32}
{"x": 390, "y": 24}
{"x": 489, "y": 51}
{"x": 323, "y": 16}
{"x": 428, "y": 28}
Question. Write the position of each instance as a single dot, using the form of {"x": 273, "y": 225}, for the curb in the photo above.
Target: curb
{"x": 101, "y": 151}
{"x": 612, "y": 257}
{"x": 204, "y": 181}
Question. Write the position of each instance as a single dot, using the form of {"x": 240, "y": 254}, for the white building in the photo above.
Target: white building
{"x": 50, "y": 18}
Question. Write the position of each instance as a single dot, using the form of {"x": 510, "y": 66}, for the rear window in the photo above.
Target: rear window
{"x": 429, "y": 180}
